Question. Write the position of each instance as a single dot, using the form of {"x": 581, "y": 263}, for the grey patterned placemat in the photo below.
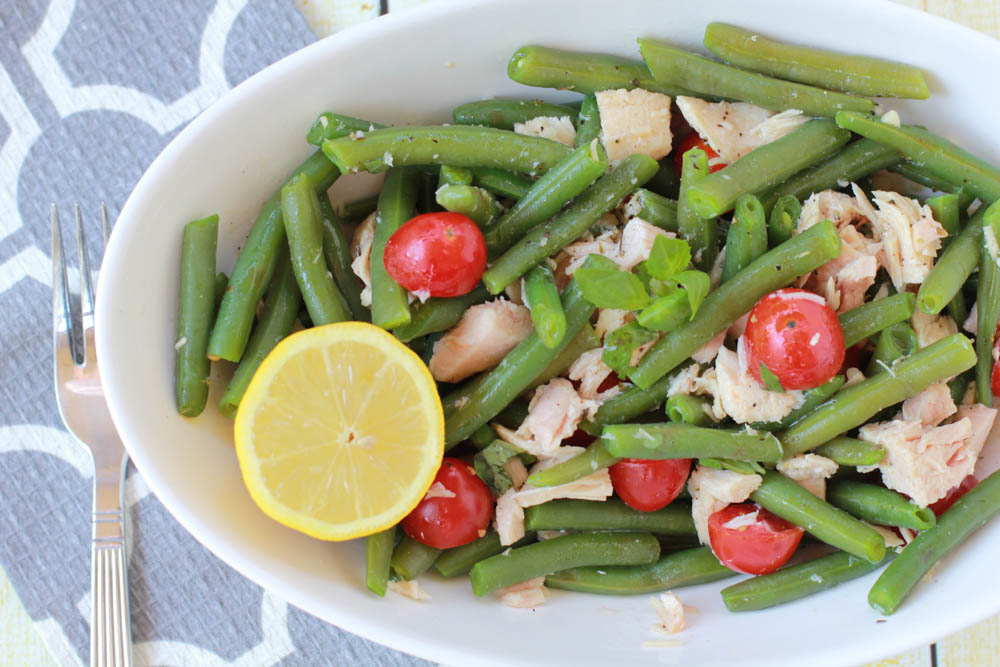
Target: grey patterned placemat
{"x": 90, "y": 92}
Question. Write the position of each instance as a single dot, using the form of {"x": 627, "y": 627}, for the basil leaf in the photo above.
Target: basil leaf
{"x": 697, "y": 284}
{"x": 611, "y": 288}
{"x": 771, "y": 381}
{"x": 621, "y": 343}
{"x": 667, "y": 257}
{"x": 667, "y": 312}
{"x": 489, "y": 465}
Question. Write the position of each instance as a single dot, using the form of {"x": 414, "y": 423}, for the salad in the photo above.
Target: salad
{"x": 666, "y": 332}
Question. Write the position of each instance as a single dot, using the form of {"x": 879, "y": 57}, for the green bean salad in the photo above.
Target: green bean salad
{"x": 702, "y": 317}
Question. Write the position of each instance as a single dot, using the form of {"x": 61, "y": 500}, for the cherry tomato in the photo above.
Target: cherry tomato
{"x": 438, "y": 254}
{"x": 694, "y": 140}
{"x": 747, "y": 538}
{"x": 964, "y": 487}
{"x": 648, "y": 485}
{"x": 445, "y": 522}
{"x": 995, "y": 378}
{"x": 797, "y": 336}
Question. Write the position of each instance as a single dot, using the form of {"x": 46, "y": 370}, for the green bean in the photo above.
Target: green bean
{"x": 684, "y": 409}
{"x": 880, "y": 505}
{"x": 594, "y": 458}
{"x": 541, "y": 296}
{"x": 514, "y": 373}
{"x": 855, "y": 161}
{"x": 945, "y": 210}
{"x": 196, "y": 305}
{"x": 299, "y": 209}
{"x": 337, "y": 249}
{"x": 811, "y": 400}
{"x": 459, "y": 560}
{"x": 747, "y": 238}
{"x": 502, "y": 182}
{"x": 701, "y": 233}
{"x": 953, "y": 267}
{"x": 870, "y": 318}
{"x": 255, "y": 267}
{"x": 832, "y": 525}
{"x": 767, "y": 166}
{"x": 410, "y": 558}
{"x": 684, "y": 441}
{"x": 585, "y": 340}
{"x": 454, "y": 145}
{"x": 959, "y": 385}
{"x": 610, "y": 514}
{"x": 482, "y": 437}
{"x": 378, "y": 553}
{"x": 357, "y": 209}
{"x": 963, "y": 518}
{"x": 666, "y": 182}
{"x": 798, "y": 581}
{"x": 563, "y": 182}
{"x": 503, "y": 113}
{"x": 475, "y": 203}
{"x": 853, "y": 406}
{"x": 920, "y": 175}
{"x": 958, "y": 310}
{"x": 988, "y": 298}
{"x": 333, "y": 125}
{"x": 438, "y": 314}
{"x": 396, "y": 202}
{"x": 851, "y": 452}
{"x": 680, "y": 68}
{"x": 861, "y": 75}
{"x": 938, "y": 156}
{"x": 629, "y": 404}
{"x": 653, "y": 208}
{"x": 562, "y": 553}
{"x": 588, "y": 122}
{"x": 276, "y": 321}
{"x": 774, "y": 269}
{"x": 455, "y": 176}
{"x": 221, "y": 285}
{"x": 585, "y": 73}
{"x": 894, "y": 343}
{"x": 784, "y": 218}
{"x": 586, "y": 209}
{"x": 682, "y": 568}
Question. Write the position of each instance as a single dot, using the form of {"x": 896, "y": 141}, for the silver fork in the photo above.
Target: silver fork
{"x": 85, "y": 413}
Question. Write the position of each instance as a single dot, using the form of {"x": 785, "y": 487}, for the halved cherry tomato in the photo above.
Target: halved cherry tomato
{"x": 964, "y": 487}
{"x": 995, "y": 378}
{"x": 445, "y": 522}
{"x": 797, "y": 336}
{"x": 437, "y": 254}
{"x": 694, "y": 140}
{"x": 648, "y": 485}
{"x": 747, "y": 538}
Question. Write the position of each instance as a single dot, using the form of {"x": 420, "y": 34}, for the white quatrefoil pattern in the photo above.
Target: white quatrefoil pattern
{"x": 90, "y": 92}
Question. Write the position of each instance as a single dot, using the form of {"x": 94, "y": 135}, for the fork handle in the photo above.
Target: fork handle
{"x": 110, "y": 625}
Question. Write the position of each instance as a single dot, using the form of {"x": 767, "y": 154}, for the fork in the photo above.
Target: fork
{"x": 85, "y": 413}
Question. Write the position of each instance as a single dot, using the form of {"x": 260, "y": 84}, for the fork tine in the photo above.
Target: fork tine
{"x": 86, "y": 285}
{"x": 62, "y": 318}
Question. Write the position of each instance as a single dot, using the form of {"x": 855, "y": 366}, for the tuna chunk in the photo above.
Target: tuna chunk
{"x": 707, "y": 352}
{"x": 549, "y": 127}
{"x": 626, "y": 249}
{"x": 525, "y": 595}
{"x": 925, "y": 462}
{"x": 481, "y": 339}
{"x": 553, "y": 415}
{"x": 810, "y": 471}
{"x": 711, "y": 490}
{"x": 634, "y": 121}
{"x": 733, "y": 129}
{"x": 361, "y": 251}
{"x": 670, "y": 612}
{"x": 509, "y": 518}
{"x": 931, "y": 328}
{"x": 744, "y": 399}
{"x": 590, "y": 371}
{"x": 611, "y": 319}
{"x": 931, "y": 406}
{"x": 910, "y": 236}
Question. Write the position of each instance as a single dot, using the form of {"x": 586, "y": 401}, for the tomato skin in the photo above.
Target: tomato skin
{"x": 995, "y": 377}
{"x": 797, "y": 336}
{"x": 444, "y": 523}
{"x": 440, "y": 254}
{"x": 966, "y": 485}
{"x": 647, "y": 485}
{"x": 694, "y": 140}
{"x": 757, "y": 548}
